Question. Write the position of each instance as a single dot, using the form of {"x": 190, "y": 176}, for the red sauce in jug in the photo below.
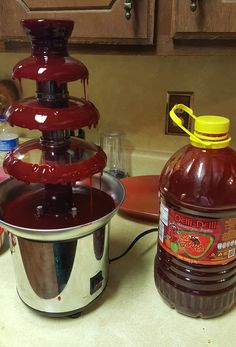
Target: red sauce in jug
{"x": 195, "y": 265}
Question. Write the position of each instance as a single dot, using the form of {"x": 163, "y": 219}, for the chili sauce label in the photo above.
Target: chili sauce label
{"x": 196, "y": 239}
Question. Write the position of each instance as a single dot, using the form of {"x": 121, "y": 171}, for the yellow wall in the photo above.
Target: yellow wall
{"x": 130, "y": 92}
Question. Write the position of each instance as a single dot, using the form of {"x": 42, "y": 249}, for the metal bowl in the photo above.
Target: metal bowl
{"x": 107, "y": 183}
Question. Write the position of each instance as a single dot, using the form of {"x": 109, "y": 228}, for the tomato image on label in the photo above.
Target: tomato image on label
{"x": 194, "y": 244}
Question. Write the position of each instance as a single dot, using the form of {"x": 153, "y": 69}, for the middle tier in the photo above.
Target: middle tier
{"x": 28, "y": 113}
{"x": 33, "y": 162}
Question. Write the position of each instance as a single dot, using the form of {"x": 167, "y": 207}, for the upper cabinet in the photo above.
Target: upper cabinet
{"x": 212, "y": 20}
{"x": 96, "y": 21}
{"x": 211, "y": 28}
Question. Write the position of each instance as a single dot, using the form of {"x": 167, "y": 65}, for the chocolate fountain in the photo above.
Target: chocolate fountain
{"x": 57, "y": 204}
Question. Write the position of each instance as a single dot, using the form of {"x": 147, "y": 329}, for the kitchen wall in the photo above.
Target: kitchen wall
{"x": 130, "y": 93}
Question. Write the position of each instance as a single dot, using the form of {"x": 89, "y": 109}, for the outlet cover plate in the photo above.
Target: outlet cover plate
{"x": 174, "y": 98}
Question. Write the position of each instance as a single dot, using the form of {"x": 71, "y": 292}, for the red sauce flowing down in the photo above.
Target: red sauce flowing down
{"x": 29, "y": 114}
{"x": 55, "y": 172}
{"x": 51, "y": 63}
{"x": 50, "y": 68}
{"x": 201, "y": 180}
{"x": 49, "y": 59}
{"x": 57, "y": 160}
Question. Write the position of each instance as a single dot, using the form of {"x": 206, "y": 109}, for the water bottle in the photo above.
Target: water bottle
{"x": 8, "y": 138}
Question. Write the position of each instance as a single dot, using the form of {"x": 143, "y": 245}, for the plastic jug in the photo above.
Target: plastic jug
{"x": 195, "y": 265}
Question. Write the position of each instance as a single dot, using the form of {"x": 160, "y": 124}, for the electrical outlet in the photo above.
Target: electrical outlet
{"x": 174, "y": 98}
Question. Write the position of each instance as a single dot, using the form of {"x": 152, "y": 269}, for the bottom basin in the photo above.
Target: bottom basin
{"x": 60, "y": 271}
{"x": 12, "y": 192}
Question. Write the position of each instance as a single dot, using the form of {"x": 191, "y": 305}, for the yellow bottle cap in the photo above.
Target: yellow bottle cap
{"x": 209, "y": 131}
{"x": 212, "y": 125}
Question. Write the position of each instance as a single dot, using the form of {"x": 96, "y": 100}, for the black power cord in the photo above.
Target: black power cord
{"x": 146, "y": 232}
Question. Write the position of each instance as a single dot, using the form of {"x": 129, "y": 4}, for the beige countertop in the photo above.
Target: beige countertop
{"x": 130, "y": 312}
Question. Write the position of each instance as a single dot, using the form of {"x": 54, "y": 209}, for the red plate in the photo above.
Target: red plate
{"x": 141, "y": 199}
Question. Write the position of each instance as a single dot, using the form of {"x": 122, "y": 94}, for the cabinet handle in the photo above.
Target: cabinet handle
{"x": 193, "y": 5}
{"x": 128, "y": 7}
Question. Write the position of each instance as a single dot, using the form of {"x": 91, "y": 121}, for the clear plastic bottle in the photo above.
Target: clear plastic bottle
{"x": 195, "y": 265}
{"x": 8, "y": 138}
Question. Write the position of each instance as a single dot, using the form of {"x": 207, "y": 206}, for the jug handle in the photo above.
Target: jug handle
{"x": 178, "y": 121}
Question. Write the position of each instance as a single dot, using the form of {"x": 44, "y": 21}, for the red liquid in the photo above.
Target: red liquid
{"x": 204, "y": 181}
{"x": 50, "y": 68}
{"x": 67, "y": 165}
{"x": 22, "y": 211}
{"x": 53, "y": 111}
{"x": 50, "y": 59}
{"x": 30, "y": 114}
{"x": 58, "y": 161}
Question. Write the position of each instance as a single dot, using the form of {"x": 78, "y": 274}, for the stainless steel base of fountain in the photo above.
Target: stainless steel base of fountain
{"x": 60, "y": 272}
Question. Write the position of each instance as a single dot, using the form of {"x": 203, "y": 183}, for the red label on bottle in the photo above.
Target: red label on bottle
{"x": 197, "y": 239}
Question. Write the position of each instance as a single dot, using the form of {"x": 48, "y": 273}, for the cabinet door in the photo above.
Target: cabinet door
{"x": 214, "y": 20}
{"x": 96, "y": 21}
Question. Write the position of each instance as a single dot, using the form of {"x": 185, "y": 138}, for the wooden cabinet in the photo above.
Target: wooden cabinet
{"x": 212, "y": 20}
{"x": 96, "y": 21}
{"x": 211, "y": 29}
